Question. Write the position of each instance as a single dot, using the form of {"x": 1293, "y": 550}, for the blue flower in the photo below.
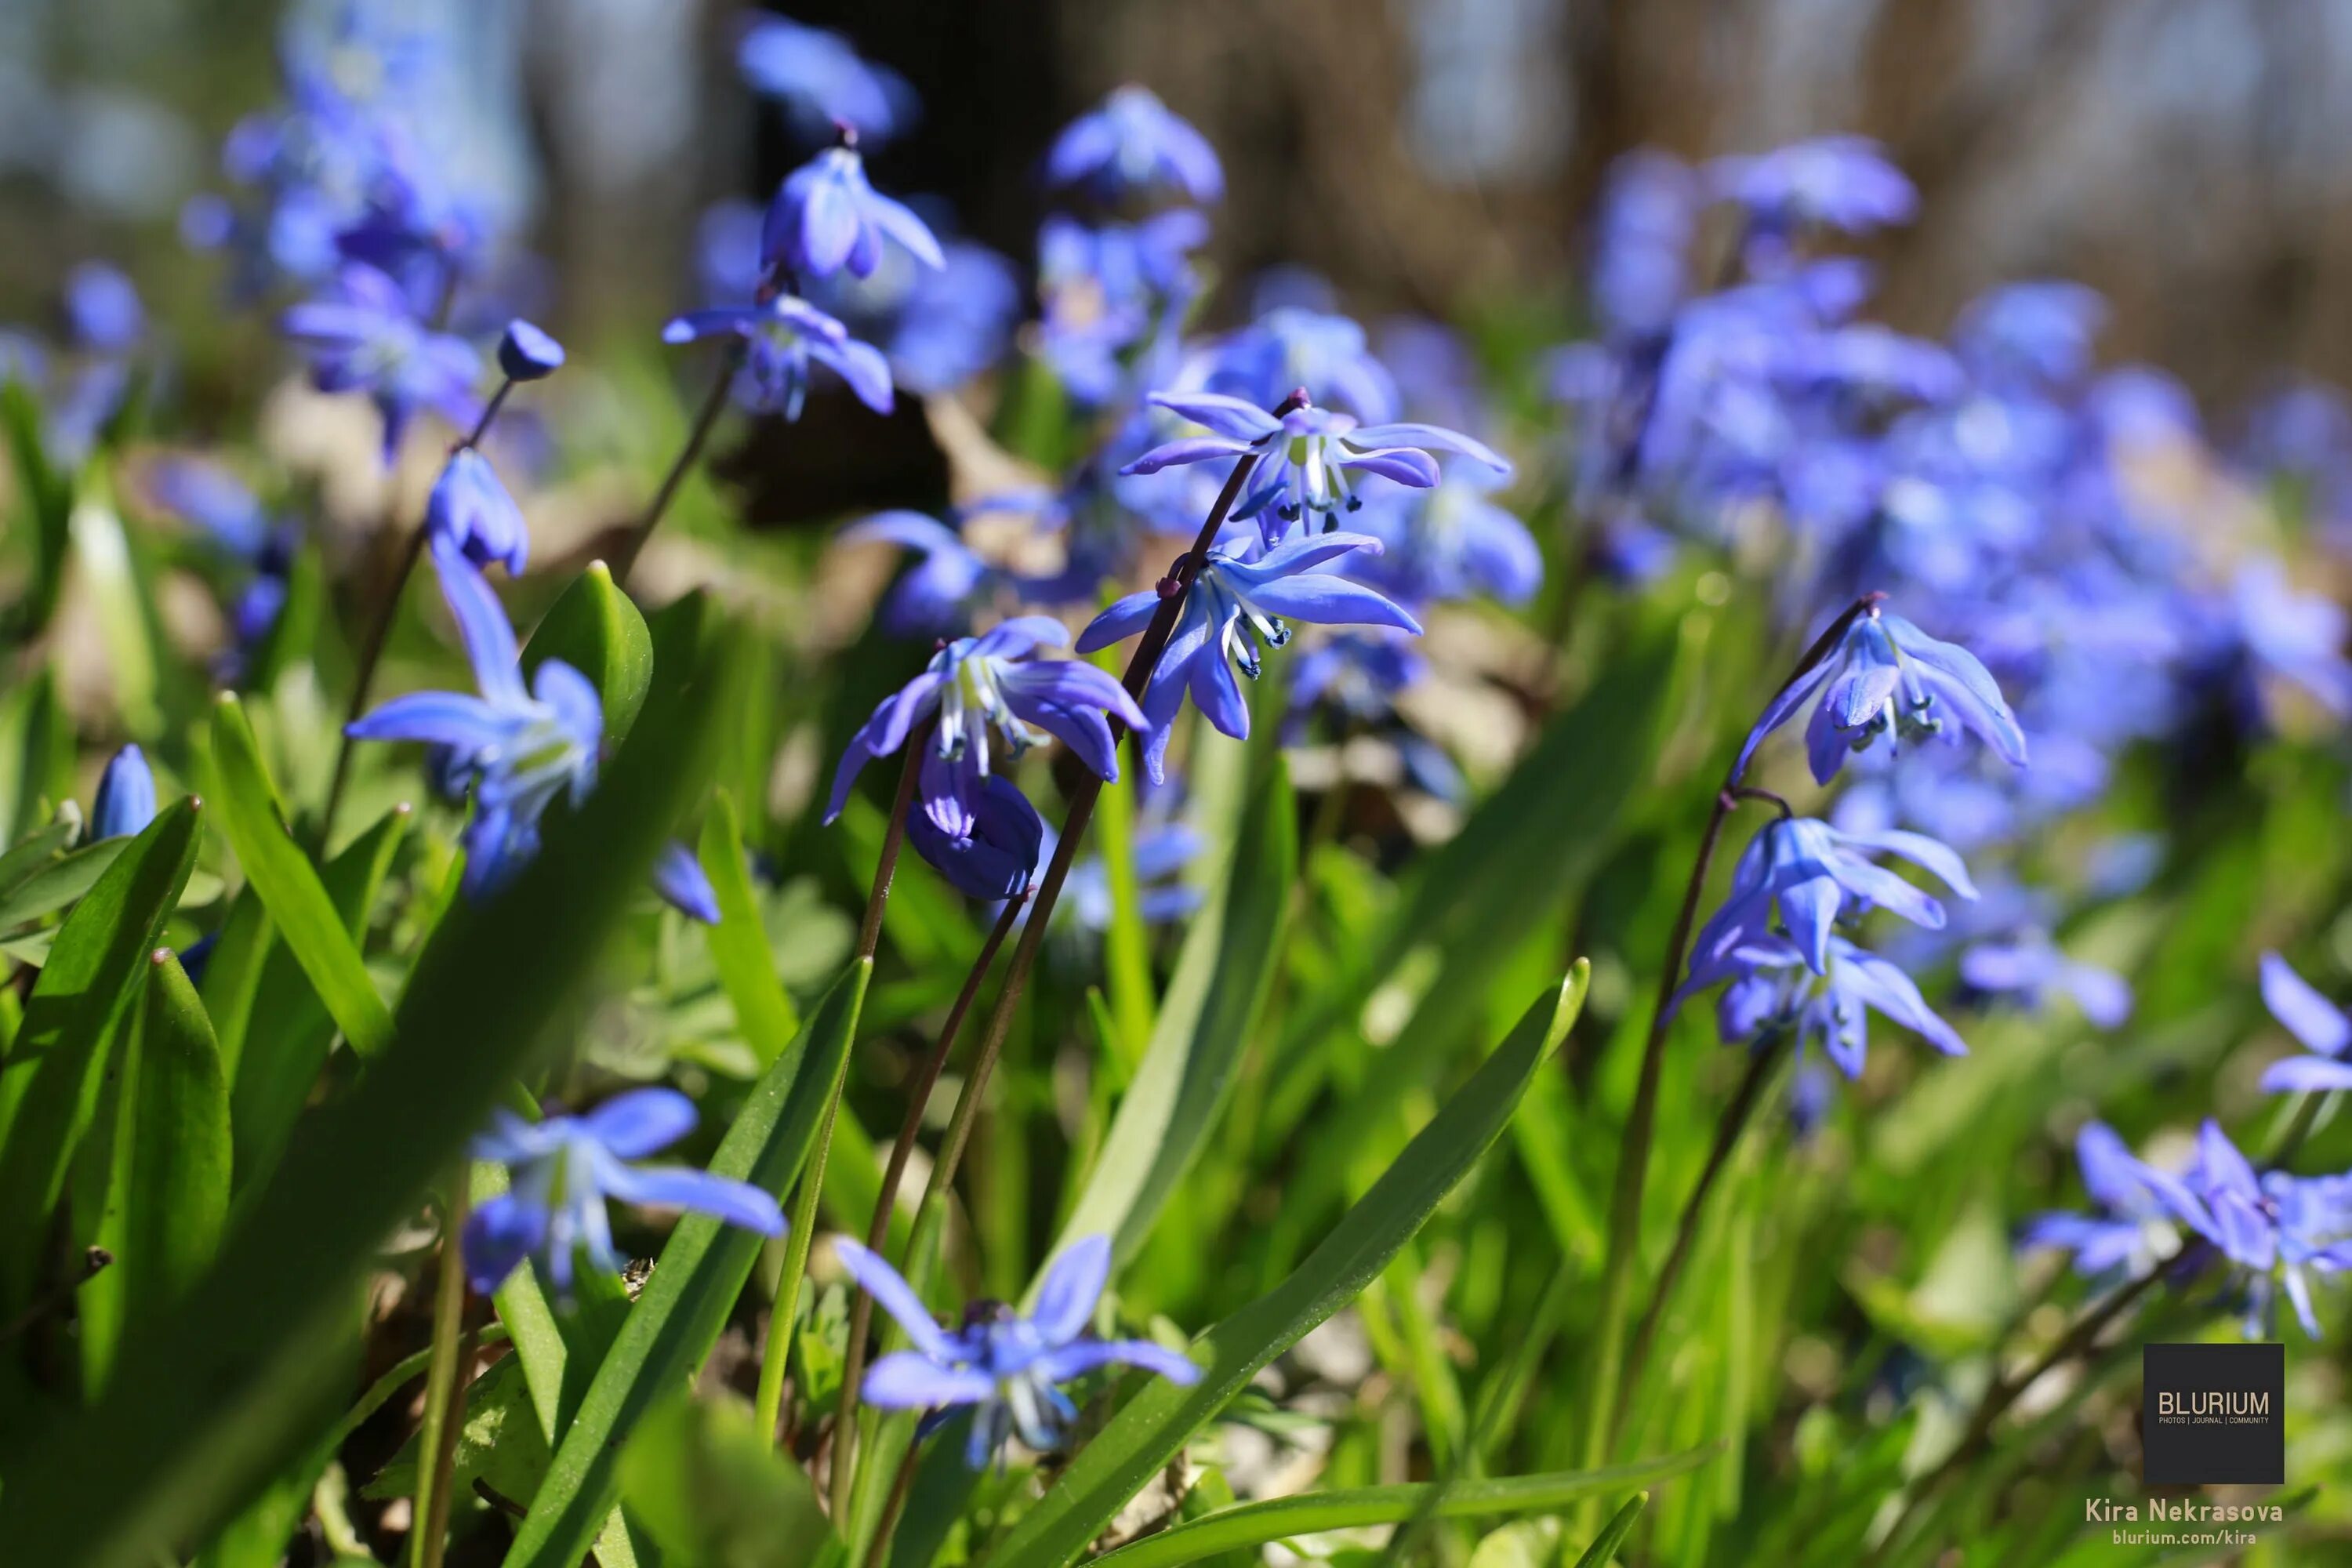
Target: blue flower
{"x": 822, "y": 80}
{"x": 977, "y": 684}
{"x": 103, "y": 309}
{"x": 527, "y": 354}
{"x": 2313, "y": 1019}
{"x": 2273, "y": 1226}
{"x": 1235, "y": 605}
{"x": 1134, "y": 145}
{"x": 517, "y": 749}
{"x": 952, "y": 322}
{"x": 1453, "y": 542}
{"x": 1297, "y": 345}
{"x": 1004, "y": 1364}
{"x": 215, "y": 500}
{"x": 2134, "y": 1222}
{"x": 996, "y": 854}
{"x": 939, "y": 592}
{"x": 2295, "y": 636}
{"x": 1101, "y": 287}
{"x": 683, "y": 885}
{"x": 2031, "y": 967}
{"x": 126, "y": 798}
{"x": 1810, "y": 870}
{"x": 470, "y": 512}
{"x": 826, "y": 217}
{"x": 564, "y": 1169}
{"x": 1887, "y": 676}
{"x": 787, "y": 334}
{"x": 1641, "y": 238}
{"x": 1310, "y": 459}
{"x": 363, "y": 337}
{"x": 1159, "y": 855}
{"x": 1844, "y": 183}
{"x": 1778, "y": 989}
{"x": 2031, "y": 334}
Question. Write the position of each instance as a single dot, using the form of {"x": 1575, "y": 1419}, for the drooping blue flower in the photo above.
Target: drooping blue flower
{"x": 2322, "y": 1026}
{"x": 103, "y": 310}
{"x": 1778, "y": 989}
{"x": 821, "y": 81}
{"x": 1887, "y": 676}
{"x": 827, "y": 216}
{"x": 2135, "y": 1221}
{"x": 1844, "y": 183}
{"x": 471, "y": 512}
{"x": 2276, "y": 1229}
{"x": 1134, "y": 145}
{"x": 517, "y": 749}
{"x": 527, "y": 354}
{"x": 364, "y": 336}
{"x": 787, "y": 334}
{"x": 1310, "y": 459}
{"x": 996, "y": 855}
{"x": 125, "y": 803}
{"x": 564, "y": 1169}
{"x": 1234, "y": 606}
{"x": 1809, "y": 871}
{"x": 1007, "y": 1366}
{"x": 2031, "y": 967}
{"x": 684, "y": 886}
{"x": 977, "y": 684}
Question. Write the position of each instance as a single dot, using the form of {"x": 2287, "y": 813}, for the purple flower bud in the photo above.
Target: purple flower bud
{"x": 526, "y": 354}
{"x": 471, "y": 510}
{"x": 126, "y": 798}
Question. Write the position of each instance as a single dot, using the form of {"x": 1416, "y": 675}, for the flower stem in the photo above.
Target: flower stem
{"x": 436, "y": 1440}
{"x": 893, "y": 1171}
{"x": 877, "y": 1553}
{"x": 714, "y": 403}
{"x": 878, "y": 898}
{"x": 371, "y": 653}
{"x": 1744, "y": 1100}
{"x": 1634, "y": 1156}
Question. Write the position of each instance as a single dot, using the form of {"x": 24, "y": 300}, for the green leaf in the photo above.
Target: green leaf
{"x": 1252, "y": 1524}
{"x": 108, "y": 577}
{"x": 596, "y": 630}
{"x": 1223, "y": 975}
{"x": 739, "y": 943}
{"x": 232, "y": 977}
{"x": 498, "y": 1440}
{"x": 209, "y": 1403}
{"x": 42, "y": 490}
{"x": 289, "y": 1032}
{"x": 35, "y": 852}
{"x": 52, "y": 887}
{"x": 288, "y": 886}
{"x": 710, "y": 1491}
{"x": 1620, "y": 1525}
{"x": 695, "y": 1282}
{"x": 176, "y": 1191}
{"x": 50, "y": 1082}
{"x": 1153, "y": 1426}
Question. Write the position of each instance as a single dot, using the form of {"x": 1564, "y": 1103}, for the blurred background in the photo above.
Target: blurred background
{"x": 2185, "y": 157}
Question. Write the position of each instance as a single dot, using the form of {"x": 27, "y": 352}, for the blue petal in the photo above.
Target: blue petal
{"x": 2310, "y": 1017}
{"x": 640, "y": 1122}
{"x": 1321, "y": 599}
{"x": 1066, "y": 1296}
{"x": 500, "y": 1234}
{"x": 904, "y": 1380}
{"x": 735, "y": 1203}
{"x": 1237, "y": 418}
{"x": 1071, "y": 1360}
{"x": 442, "y": 718}
{"x": 2306, "y": 1073}
{"x": 1119, "y": 622}
{"x": 895, "y": 1297}
{"x": 482, "y": 624}
{"x": 679, "y": 878}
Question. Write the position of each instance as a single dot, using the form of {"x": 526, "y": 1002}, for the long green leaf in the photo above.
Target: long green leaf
{"x": 50, "y": 1080}
{"x": 54, "y": 886}
{"x": 34, "y": 851}
{"x": 177, "y": 1198}
{"x": 1222, "y": 978}
{"x": 695, "y": 1282}
{"x": 289, "y": 1032}
{"x": 1253, "y": 1524}
{"x": 1154, "y": 1425}
{"x": 289, "y": 886}
{"x": 739, "y": 943}
{"x": 209, "y": 1403}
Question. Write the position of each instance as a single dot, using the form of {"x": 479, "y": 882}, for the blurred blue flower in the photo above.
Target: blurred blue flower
{"x": 1887, "y": 676}
{"x": 996, "y": 854}
{"x": 1844, "y": 183}
{"x": 1360, "y": 675}
{"x": 125, "y": 803}
{"x": 1809, "y": 871}
{"x": 952, "y": 322}
{"x": 1234, "y": 606}
{"x": 1103, "y": 286}
{"x": 215, "y": 500}
{"x": 471, "y": 513}
{"x": 1160, "y": 852}
{"x": 1134, "y": 145}
{"x": 2134, "y": 1222}
{"x": 2294, "y": 635}
{"x": 1777, "y": 989}
{"x": 2276, "y": 1229}
{"x": 684, "y": 886}
{"x": 103, "y": 310}
{"x": 976, "y": 684}
{"x": 1299, "y": 346}
{"x": 826, "y": 217}
{"x": 1454, "y": 541}
{"x": 2313, "y": 1019}
{"x": 821, "y": 81}
{"x": 362, "y": 336}
{"x": 1001, "y": 1363}
{"x": 1309, "y": 458}
{"x": 2031, "y": 967}
{"x": 527, "y": 354}
{"x": 564, "y": 1169}
{"x": 787, "y": 334}
{"x": 517, "y": 749}
{"x": 2031, "y": 333}
{"x": 1641, "y": 238}
{"x": 938, "y": 594}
